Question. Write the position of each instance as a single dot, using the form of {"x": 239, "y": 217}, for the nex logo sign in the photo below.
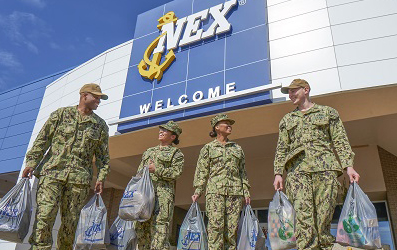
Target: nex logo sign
{"x": 171, "y": 30}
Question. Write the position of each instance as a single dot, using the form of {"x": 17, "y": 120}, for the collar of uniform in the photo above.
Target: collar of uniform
{"x": 85, "y": 118}
{"x": 311, "y": 110}
{"x": 216, "y": 143}
{"x": 165, "y": 148}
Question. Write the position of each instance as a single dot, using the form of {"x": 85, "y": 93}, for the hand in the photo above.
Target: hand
{"x": 98, "y": 187}
{"x": 195, "y": 197}
{"x": 247, "y": 200}
{"x": 27, "y": 173}
{"x": 278, "y": 182}
{"x": 353, "y": 175}
{"x": 151, "y": 166}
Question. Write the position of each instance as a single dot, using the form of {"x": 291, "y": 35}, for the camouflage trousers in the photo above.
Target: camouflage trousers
{"x": 313, "y": 196}
{"x": 223, "y": 214}
{"x": 51, "y": 196}
{"x": 154, "y": 233}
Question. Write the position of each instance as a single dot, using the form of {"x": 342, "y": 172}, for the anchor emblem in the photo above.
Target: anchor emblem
{"x": 152, "y": 68}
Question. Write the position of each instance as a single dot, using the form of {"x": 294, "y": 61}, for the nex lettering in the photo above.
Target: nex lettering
{"x": 192, "y": 32}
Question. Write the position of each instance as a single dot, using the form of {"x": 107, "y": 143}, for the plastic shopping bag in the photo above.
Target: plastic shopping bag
{"x": 358, "y": 222}
{"x": 15, "y": 212}
{"x": 92, "y": 231}
{"x": 250, "y": 235}
{"x": 192, "y": 235}
{"x": 137, "y": 202}
{"x": 281, "y": 223}
{"x": 122, "y": 235}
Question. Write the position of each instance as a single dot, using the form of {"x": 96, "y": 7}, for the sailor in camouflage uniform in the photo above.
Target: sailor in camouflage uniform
{"x": 307, "y": 137}
{"x": 72, "y": 136}
{"x": 165, "y": 163}
{"x": 221, "y": 172}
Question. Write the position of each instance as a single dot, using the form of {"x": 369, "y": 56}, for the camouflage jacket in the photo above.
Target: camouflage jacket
{"x": 316, "y": 133}
{"x": 72, "y": 141}
{"x": 221, "y": 169}
{"x": 169, "y": 162}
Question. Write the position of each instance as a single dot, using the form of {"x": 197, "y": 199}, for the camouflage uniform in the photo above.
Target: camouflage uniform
{"x": 65, "y": 173}
{"x": 154, "y": 233}
{"x": 305, "y": 150}
{"x": 221, "y": 170}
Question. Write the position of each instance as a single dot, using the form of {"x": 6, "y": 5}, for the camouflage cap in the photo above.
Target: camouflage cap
{"x": 221, "y": 117}
{"x": 173, "y": 127}
{"x": 296, "y": 83}
{"x": 93, "y": 88}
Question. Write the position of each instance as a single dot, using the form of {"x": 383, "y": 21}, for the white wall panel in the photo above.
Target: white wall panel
{"x": 55, "y": 86}
{"x": 114, "y": 79}
{"x": 119, "y": 52}
{"x": 338, "y": 2}
{"x": 90, "y": 77}
{"x": 365, "y": 29}
{"x": 86, "y": 68}
{"x": 321, "y": 82}
{"x": 303, "y": 42}
{"x": 366, "y": 51}
{"x": 294, "y": 8}
{"x": 112, "y": 129}
{"x": 303, "y": 63}
{"x": 299, "y": 24}
{"x": 116, "y": 65}
{"x": 368, "y": 74}
{"x": 115, "y": 93}
{"x": 361, "y": 10}
{"x": 109, "y": 110}
{"x": 274, "y": 2}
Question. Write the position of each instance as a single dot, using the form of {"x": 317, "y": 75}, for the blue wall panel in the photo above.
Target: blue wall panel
{"x": 18, "y": 115}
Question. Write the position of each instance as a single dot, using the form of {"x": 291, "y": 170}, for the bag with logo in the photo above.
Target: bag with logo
{"x": 15, "y": 212}
{"x": 122, "y": 235}
{"x": 281, "y": 223}
{"x": 250, "y": 235}
{"x": 358, "y": 222}
{"x": 92, "y": 231}
{"x": 137, "y": 203}
{"x": 192, "y": 235}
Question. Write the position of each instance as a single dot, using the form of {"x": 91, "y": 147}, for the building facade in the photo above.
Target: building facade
{"x": 231, "y": 56}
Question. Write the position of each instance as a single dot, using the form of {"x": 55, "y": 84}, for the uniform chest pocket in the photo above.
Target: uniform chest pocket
{"x": 165, "y": 158}
{"x": 214, "y": 154}
{"x": 237, "y": 154}
{"x": 93, "y": 134}
{"x": 320, "y": 121}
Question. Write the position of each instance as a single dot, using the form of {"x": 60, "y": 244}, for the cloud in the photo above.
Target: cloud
{"x": 90, "y": 41}
{"x": 24, "y": 29}
{"x": 54, "y": 45}
{"x": 9, "y": 60}
{"x": 35, "y": 3}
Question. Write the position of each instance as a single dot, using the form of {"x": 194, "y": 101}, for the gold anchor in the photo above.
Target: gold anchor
{"x": 152, "y": 68}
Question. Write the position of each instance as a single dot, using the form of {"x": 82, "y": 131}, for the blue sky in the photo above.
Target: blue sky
{"x": 41, "y": 37}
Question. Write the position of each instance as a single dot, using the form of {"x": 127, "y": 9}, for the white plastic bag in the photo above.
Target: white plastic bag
{"x": 92, "y": 231}
{"x": 122, "y": 235}
{"x": 192, "y": 235}
{"x": 15, "y": 212}
{"x": 358, "y": 222}
{"x": 250, "y": 235}
{"x": 137, "y": 203}
{"x": 281, "y": 223}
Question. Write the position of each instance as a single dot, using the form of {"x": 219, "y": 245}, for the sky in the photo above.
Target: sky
{"x": 42, "y": 37}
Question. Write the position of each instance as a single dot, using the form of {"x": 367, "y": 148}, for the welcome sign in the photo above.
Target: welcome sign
{"x": 196, "y": 57}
